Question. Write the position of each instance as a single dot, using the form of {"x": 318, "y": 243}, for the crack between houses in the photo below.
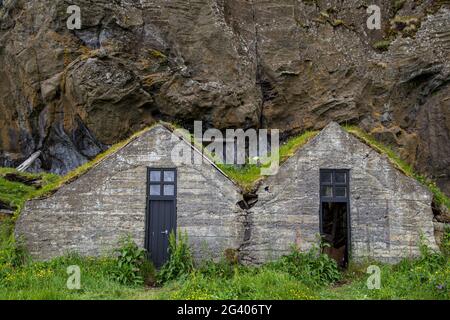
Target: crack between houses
{"x": 247, "y": 202}
{"x": 243, "y": 253}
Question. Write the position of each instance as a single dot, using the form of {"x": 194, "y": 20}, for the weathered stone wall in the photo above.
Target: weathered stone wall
{"x": 90, "y": 214}
{"x": 388, "y": 211}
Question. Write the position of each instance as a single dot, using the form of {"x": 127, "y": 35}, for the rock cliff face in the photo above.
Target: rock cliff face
{"x": 291, "y": 64}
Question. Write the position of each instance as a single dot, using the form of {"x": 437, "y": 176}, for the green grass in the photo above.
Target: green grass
{"x": 253, "y": 284}
{"x": 439, "y": 197}
{"x": 48, "y": 281}
{"x": 74, "y": 174}
{"x": 298, "y": 276}
{"x": 290, "y": 147}
{"x": 15, "y": 193}
{"x": 289, "y": 278}
{"x": 424, "y": 278}
{"x": 308, "y": 276}
{"x": 248, "y": 175}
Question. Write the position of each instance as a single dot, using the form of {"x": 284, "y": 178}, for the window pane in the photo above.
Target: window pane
{"x": 341, "y": 191}
{"x": 325, "y": 177}
{"x": 155, "y": 190}
{"x": 326, "y": 191}
{"x": 155, "y": 175}
{"x": 169, "y": 176}
{"x": 340, "y": 177}
{"x": 169, "y": 190}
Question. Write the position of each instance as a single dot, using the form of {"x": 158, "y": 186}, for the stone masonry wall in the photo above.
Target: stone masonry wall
{"x": 388, "y": 210}
{"x": 90, "y": 214}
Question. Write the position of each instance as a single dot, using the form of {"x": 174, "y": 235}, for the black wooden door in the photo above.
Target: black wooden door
{"x": 161, "y": 212}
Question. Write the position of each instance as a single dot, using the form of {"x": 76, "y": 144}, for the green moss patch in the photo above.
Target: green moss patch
{"x": 248, "y": 175}
{"x": 382, "y": 45}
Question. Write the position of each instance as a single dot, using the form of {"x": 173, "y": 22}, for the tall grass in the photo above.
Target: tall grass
{"x": 294, "y": 276}
{"x": 424, "y": 278}
{"x": 106, "y": 277}
{"x": 264, "y": 284}
{"x": 427, "y": 277}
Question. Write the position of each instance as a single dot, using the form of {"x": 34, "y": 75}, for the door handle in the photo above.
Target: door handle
{"x": 165, "y": 232}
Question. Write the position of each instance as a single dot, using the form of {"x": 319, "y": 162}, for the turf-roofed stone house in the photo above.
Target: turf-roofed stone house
{"x": 137, "y": 191}
{"x": 335, "y": 185}
{"x": 363, "y": 206}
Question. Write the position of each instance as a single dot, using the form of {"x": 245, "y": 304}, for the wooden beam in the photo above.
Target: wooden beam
{"x": 27, "y": 163}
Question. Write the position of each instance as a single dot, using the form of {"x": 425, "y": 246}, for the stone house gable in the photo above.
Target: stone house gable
{"x": 388, "y": 210}
{"x": 90, "y": 214}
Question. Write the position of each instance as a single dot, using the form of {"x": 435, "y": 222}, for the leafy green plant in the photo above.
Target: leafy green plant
{"x": 311, "y": 267}
{"x": 180, "y": 261}
{"x": 445, "y": 244}
{"x": 222, "y": 269}
{"x": 131, "y": 263}
{"x": 12, "y": 251}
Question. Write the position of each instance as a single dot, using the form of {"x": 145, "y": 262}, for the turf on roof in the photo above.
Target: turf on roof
{"x": 246, "y": 176}
{"x": 439, "y": 197}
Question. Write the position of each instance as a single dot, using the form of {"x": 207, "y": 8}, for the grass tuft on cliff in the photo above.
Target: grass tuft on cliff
{"x": 439, "y": 197}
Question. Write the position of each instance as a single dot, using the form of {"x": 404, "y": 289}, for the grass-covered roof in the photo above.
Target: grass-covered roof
{"x": 246, "y": 176}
